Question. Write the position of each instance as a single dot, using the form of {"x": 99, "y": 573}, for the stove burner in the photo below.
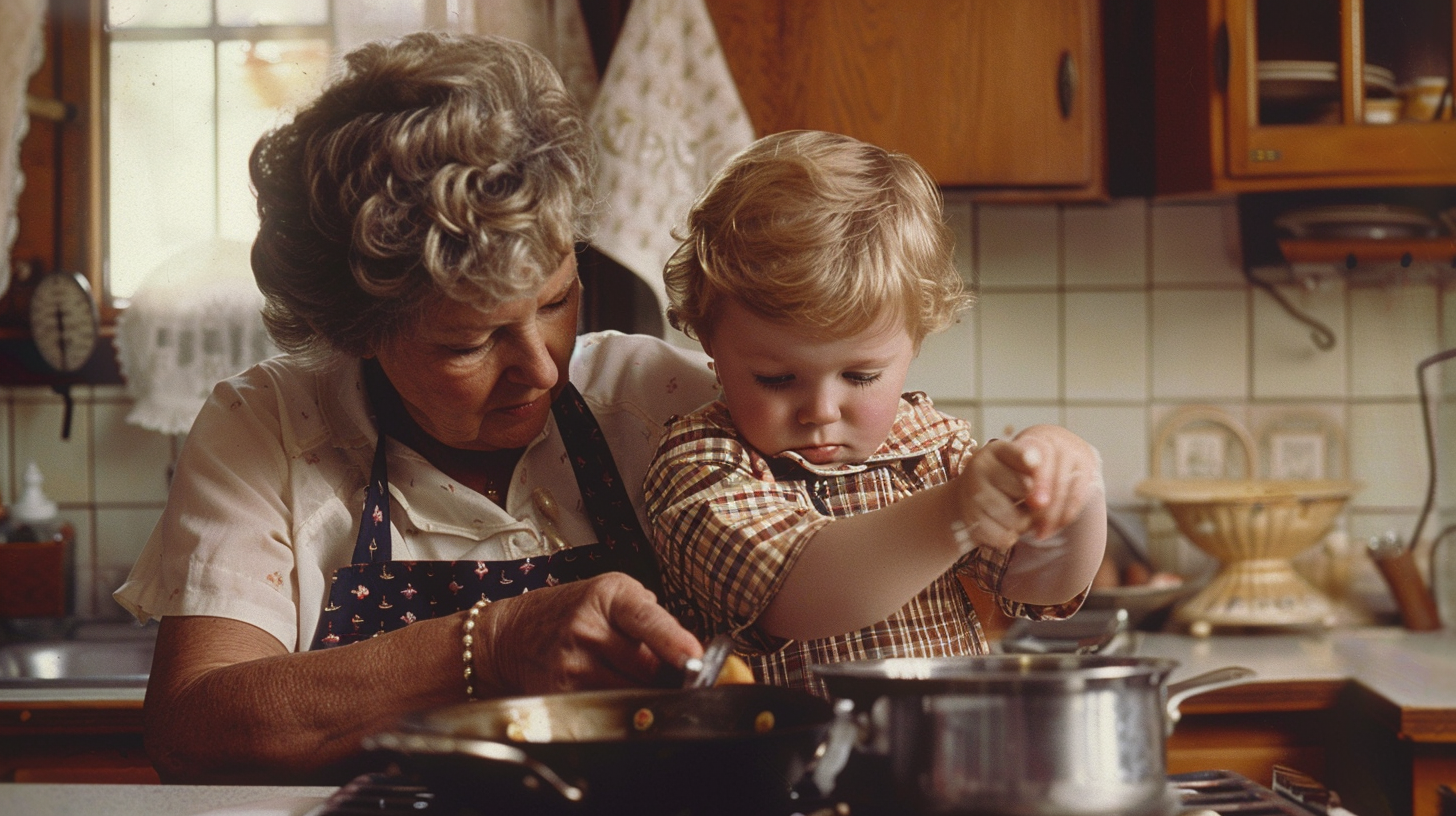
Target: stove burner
{"x": 1223, "y": 792}
{"x": 1226, "y": 792}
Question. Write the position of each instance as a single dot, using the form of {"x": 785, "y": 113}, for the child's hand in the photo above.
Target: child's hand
{"x": 1065, "y": 473}
{"x": 993, "y": 493}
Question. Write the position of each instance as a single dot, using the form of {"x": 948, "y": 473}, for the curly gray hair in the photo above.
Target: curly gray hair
{"x": 434, "y": 166}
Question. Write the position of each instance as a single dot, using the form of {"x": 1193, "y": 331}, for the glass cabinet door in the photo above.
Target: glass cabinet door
{"x": 1340, "y": 87}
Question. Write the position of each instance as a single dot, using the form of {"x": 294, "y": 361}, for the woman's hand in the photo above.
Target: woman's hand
{"x": 604, "y": 632}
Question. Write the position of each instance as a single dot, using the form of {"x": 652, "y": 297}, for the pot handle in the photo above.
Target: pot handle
{"x": 1208, "y": 681}
{"x": 833, "y": 754}
{"x": 442, "y": 745}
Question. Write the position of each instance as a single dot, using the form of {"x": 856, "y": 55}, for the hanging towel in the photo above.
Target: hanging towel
{"x": 668, "y": 116}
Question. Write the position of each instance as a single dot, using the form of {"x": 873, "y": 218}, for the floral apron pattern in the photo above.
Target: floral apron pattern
{"x": 376, "y": 594}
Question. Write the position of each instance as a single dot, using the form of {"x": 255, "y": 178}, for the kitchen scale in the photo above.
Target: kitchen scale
{"x": 65, "y": 328}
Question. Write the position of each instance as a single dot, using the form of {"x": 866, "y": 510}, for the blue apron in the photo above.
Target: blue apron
{"x": 376, "y": 594}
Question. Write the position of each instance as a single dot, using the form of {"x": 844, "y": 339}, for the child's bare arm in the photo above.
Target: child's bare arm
{"x": 861, "y": 569}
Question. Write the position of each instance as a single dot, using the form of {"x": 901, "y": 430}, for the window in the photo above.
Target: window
{"x": 191, "y": 85}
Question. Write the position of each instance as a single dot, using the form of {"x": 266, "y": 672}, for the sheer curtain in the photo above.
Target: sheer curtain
{"x": 22, "y": 25}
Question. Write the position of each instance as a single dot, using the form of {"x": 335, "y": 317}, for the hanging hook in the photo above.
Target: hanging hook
{"x": 1320, "y": 334}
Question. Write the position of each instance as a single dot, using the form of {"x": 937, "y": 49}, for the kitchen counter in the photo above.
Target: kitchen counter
{"x": 75, "y": 693}
{"x": 1409, "y": 672}
{"x": 160, "y": 800}
{"x": 1371, "y": 710}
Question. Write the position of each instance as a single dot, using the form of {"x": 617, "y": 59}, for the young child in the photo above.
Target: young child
{"x": 813, "y": 511}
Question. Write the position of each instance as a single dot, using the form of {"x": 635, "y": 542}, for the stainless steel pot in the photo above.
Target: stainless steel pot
{"x": 726, "y": 749}
{"x": 1022, "y": 735}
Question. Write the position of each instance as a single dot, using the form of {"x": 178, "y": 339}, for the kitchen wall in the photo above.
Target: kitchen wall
{"x": 1107, "y": 319}
{"x": 1102, "y": 318}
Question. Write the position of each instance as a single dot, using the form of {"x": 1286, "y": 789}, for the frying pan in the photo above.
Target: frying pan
{"x": 723, "y": 749}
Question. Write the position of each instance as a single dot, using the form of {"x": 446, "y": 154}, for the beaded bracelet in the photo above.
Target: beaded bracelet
{"x": 468, "y": 639}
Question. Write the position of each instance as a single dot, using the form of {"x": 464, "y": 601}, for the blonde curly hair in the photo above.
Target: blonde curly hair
{"x": 433, "y": 166}
{"x": 821, "y": 230}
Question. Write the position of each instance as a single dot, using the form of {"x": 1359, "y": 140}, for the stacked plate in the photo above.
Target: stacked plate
{"x": 1308, "y": 91}
{"x": 1360, "y": 221}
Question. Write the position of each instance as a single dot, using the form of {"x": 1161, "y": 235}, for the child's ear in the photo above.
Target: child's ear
{"x": 706, "y": 344}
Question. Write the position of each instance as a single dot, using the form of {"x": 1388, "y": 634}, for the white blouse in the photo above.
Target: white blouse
{"x": 265, "y": 503}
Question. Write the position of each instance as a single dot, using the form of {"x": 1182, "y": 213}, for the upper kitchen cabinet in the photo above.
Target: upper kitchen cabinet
{"x": 1000, "y": 95}
{"x": 1267, "y": 95}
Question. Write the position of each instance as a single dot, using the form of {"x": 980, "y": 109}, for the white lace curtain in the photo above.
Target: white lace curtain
{"x": 22, "y": 25}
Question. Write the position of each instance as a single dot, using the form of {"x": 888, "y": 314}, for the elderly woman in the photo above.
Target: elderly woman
{"x": 353, "y": 527}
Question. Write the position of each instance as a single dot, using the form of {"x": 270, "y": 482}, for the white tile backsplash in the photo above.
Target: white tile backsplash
{"x": 64, "y": 463}
{"x": 83, "y": 560}
{"x": 1105, "y": 342}
{"x": 1017, "y": 246}
{"x": 1387, "y": 453}
{"x": 1391, "y": 330}
{"x": 947, "y": 364}
{"x": 131, "y": 462}
{"x": 959, "y": 216}
{"x": 1003, "y": 421}
{"x": 1200, "y": 342}
{"x": 1287, "y": 364}
{"x": 1121, "y": 436}
{"x": 1020, "y": 339}
{"x": 1107, "y": 245}
{"x": 1196, "y": 243}
{"x": 127, "y": 530}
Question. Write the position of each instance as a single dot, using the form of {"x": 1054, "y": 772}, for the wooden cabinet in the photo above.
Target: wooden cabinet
{"x": 73, "y": 741}
{"x": 1383, "y": 759}
{"x": 988, "y": 94}
{"x": 1267, "y": 95}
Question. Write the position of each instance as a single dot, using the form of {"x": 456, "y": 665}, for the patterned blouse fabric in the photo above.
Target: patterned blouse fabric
{"x": 266, "y": 504}
{"x": 729, "y": 523}
{"x": 377, "y": 594}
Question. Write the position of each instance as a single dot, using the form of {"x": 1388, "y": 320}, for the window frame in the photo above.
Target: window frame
{"x": 110, "y": 305}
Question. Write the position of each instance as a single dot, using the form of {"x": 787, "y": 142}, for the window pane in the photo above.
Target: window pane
{"x": 272, "y": 12}
{"x": 358, "y": 21}
{"x": 162, "y": 157}
{"x": 150, "y": 13}
{"x": 259, "y": 86}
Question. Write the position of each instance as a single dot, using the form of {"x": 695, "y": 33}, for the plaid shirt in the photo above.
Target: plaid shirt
{"x": 728, "y": 524}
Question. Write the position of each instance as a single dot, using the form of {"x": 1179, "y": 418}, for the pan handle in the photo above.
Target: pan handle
{"x": 1208, "y": 681}
{"x": 442, "y": 745}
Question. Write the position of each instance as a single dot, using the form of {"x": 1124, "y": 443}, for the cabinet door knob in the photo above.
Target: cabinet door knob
{"x": 1066, "y": 84}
